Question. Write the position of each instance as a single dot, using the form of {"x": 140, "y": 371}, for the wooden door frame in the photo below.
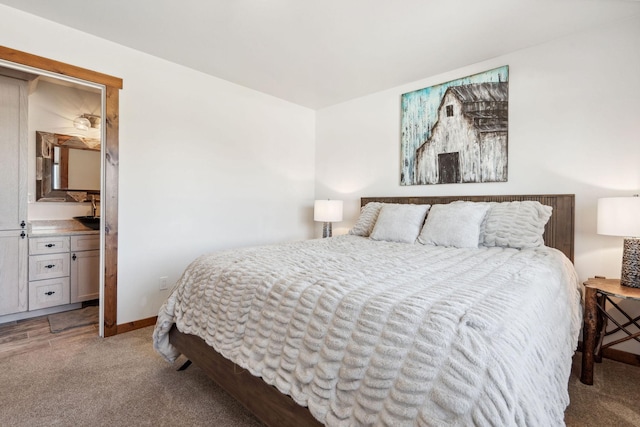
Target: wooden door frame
{"x": 110, "y": 198}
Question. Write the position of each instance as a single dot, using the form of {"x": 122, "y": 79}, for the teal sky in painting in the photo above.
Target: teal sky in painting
{"x": 420, "y": 112}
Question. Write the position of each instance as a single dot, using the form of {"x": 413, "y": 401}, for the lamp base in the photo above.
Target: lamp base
{"x": 326, "y": 229}
{"x": 631, "y": 263}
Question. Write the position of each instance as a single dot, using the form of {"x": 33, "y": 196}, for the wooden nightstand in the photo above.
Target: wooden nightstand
{"x": 597, "y": 293}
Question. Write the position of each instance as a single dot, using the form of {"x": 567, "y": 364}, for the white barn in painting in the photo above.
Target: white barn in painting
{"x": 468, "y": 142}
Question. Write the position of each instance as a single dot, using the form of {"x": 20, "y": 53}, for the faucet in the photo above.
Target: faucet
{"x": 94, "y": 208}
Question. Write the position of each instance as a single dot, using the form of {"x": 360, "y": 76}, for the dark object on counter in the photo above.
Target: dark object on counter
{"x": 92, "y": 222}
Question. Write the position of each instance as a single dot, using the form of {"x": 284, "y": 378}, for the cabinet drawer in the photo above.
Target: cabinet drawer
{"x": 85, "y": 242}
{"x": 48, "y": 245}
{"x": 48, "y": 293}
{"x": 48, "y": 266}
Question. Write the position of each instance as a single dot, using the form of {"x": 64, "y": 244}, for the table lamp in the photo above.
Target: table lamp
{"x": 327, "y": 211}
{"x": 620, "y": 216}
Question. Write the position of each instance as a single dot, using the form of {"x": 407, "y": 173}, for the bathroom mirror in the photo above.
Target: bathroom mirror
{"x": 67, "y": 168}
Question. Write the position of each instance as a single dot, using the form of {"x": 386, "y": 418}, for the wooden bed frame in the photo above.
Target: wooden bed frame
{"x": 276, "y": 409}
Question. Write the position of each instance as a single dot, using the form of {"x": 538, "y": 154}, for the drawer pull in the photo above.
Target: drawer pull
{"x": 49, "y": 266}
{"x": 50, "y": 293}
{"x": 74, "y": 257}
{"x": 50, "y": 245}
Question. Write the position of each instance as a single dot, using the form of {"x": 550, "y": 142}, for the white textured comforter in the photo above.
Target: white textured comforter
{"x": 378, "y": 333}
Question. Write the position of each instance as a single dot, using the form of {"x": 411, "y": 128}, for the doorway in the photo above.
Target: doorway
{"x": 110, "y": 87}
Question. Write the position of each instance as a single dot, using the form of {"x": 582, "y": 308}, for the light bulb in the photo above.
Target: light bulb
{"x": 81, "y": 123}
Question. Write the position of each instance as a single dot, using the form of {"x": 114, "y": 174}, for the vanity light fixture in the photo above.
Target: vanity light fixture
{"x": 81, "y": 123}
{"x": 86, "y": 121}
{"x": 327, "y": 211}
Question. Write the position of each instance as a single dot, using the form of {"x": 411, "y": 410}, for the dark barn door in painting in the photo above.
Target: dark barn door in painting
{"x": 448, "y": 168}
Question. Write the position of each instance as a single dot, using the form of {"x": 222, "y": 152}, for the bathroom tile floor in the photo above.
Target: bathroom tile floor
{"x": 26, "y": 335}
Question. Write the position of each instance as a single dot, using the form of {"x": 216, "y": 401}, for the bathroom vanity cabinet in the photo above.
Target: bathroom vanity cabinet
{"x": 85, "y": 267}
{"x": 63, "y": 269}
{"x": 48, "y": 271}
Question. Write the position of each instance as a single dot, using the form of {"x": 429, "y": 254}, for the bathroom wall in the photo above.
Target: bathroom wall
{"x": 52, "y": 108}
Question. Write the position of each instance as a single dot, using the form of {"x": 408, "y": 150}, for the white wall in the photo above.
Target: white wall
{"x": 574, "y": 127}
{"x": 204, "y": 164}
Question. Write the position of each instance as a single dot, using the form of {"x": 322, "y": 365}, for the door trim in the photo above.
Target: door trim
{"x": 110, "y": 198}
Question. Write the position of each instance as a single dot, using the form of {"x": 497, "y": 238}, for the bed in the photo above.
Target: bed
{"x": 378, "y": 328}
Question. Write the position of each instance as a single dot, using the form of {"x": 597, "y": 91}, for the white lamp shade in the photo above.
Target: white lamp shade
{"x": 327, "y": 210}
{"x": 619, "y": 216}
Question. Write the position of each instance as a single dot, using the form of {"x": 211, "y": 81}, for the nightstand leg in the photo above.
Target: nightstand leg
{"x": 601, "y": 326}
{"x": 589, "y": 335}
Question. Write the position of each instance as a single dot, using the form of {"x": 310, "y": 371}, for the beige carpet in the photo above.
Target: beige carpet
{"x": 118, "y": 381}
{"x": 612, "y": 400}
{"x": 121, "y": 381}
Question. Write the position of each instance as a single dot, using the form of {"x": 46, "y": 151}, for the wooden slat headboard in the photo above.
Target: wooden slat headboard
{"x": 558, "y": 233}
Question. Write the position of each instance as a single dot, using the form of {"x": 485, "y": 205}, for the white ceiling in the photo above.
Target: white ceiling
{"x": 318, "y": 53}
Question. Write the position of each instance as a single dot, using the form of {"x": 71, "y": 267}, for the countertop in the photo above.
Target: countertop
{"x": 59, "y": 227}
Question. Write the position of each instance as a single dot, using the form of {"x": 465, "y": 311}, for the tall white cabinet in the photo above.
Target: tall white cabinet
{"x": 14, "y": 293}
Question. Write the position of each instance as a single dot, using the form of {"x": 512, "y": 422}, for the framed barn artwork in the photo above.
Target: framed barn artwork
{"x": 456, "y": 132}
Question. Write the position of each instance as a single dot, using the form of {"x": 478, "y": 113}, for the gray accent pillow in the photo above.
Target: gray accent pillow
{"x": 399, "y": 223}
{"x": 367, "y": 219}
{"x": 516, "y": 224}
{"x": 456, "y": 224}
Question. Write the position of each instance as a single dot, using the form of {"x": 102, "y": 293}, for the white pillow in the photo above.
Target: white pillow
{"x": 399, "y": 223}
{"x": 367, "y": 219}
{"x": 515, "y": 224}
{"x": 455, "y": 224}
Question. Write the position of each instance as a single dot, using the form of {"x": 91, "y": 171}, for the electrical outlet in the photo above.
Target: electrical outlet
{"x": 163, "y": 282}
